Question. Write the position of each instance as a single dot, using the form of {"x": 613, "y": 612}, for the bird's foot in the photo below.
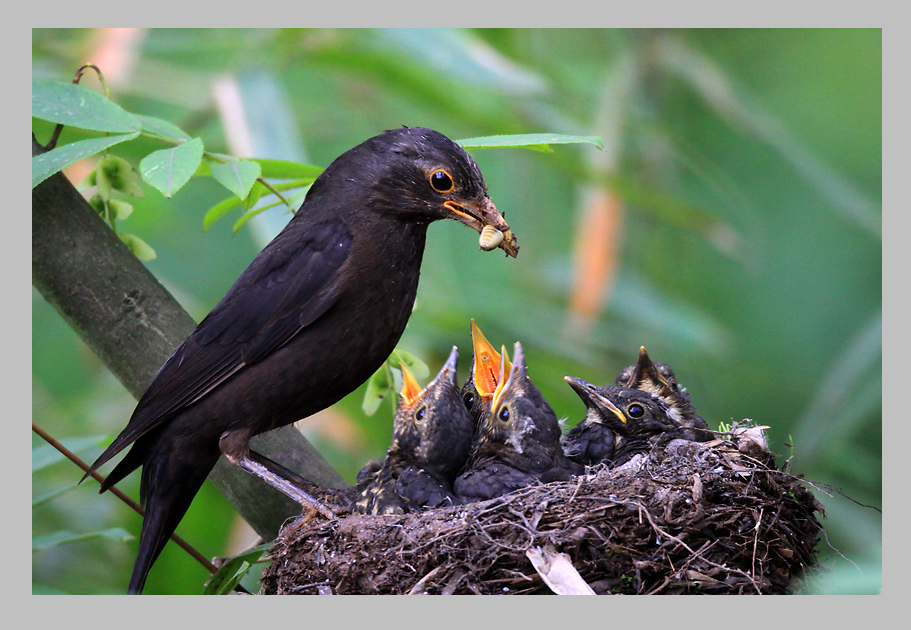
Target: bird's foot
{"x": 297, "y": 522}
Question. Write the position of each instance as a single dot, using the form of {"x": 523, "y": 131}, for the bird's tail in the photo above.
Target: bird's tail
{"x": 169, "y": 483}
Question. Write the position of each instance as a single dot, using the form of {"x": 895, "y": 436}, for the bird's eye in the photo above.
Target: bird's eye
{"x": 635, "y": 410}
{"x": 504, "y": 414}
{"x": 441, "y": 182}
{"x": 468, "y": 399}
{"x": 419, "y": 415}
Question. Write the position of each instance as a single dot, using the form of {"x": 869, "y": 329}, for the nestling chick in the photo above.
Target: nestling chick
{"x": 518, "y": 441}
{"x": 658, "y": 379}
{"x": 431, "y": 438}
{"x": 630, "y": 416}
{"x": 483, "y": 376}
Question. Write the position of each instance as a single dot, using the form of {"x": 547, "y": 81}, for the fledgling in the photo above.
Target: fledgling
{"x": 659, "y": 380}
{"x": 632, "y": 418}
{"x": 483, "y": 375}
{"x": 518, "y": 441}
{"x": 431, "y": 439}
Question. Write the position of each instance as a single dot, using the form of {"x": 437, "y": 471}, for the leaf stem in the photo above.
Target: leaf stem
{"x": 86, "y": 66}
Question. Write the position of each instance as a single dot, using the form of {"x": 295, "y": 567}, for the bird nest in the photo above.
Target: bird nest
{"x": 713, "y": 517}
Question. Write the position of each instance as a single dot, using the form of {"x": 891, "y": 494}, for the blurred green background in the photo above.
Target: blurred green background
{"x": 732, "y": 225}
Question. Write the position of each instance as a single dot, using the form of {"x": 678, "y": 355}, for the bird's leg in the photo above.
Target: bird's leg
{"x": 282, "y": 484}
{"x": 273, "y": 473}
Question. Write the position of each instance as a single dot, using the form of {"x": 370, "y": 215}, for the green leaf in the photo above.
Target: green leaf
{"x": 115, "y": 173}
{"x": 219, "y": 210}
{"x": 121, "y": 209}
{"x": 169, "y": 169}
{"x": 88, "y": 181}
{"x": 97, "y": 204}
{"x": 47, "y": 496}
{"x": 46, "y": 164}
{"x": 283, "y": 169}
{"x": 417, "y": 367}
{"x": 162, "y": 128}
{"x": 232, "y": 571}
{"x": 238, "y": 176}
{"x": 74, "y": 105}
{"x": 534, "y": 141}
{"x": 41, "y": 543}
{"x": 251, "y": 199}
{"x": 141, "y": 249}
{"x": 297, "y": 199}
{"x": 223, "y": 207}
{"x": 250, "y": 214}
{"x": 45, "y": 455}
{"x": 226, "y": 581}
{"x": 378, "y": 387}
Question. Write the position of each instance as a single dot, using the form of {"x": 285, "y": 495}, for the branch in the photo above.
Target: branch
{"x": 132, "y": 323}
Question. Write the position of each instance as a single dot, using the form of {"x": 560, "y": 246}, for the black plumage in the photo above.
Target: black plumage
{"x": 632, "y": 416}
{"x": 659, "y": 379}
{"x": 312, "y": 317}
{"x": 431, "y": 438}
{"x": 518, "y": 442}
{"x": 593, "y": 441}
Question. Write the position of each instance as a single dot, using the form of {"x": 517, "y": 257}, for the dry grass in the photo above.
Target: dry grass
{"x": 717, "y": 517}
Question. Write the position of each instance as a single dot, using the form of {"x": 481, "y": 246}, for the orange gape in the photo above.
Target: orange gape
{"x": 486, "y": 362}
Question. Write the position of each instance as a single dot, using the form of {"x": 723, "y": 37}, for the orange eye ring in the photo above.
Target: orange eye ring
{"x": 441, "y": 181}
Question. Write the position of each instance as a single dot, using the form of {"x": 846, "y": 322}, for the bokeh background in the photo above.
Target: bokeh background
{"x": 732, "y": 225}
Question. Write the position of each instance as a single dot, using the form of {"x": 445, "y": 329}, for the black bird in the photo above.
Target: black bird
{"x": 591, "y": 441}
{"x": 632, "y": 417}
{"x": 518, "y": 442}
{"x": 658, "y": 379}
{"x": 313, "y": 316}
{"x": 431, "y": 440}
{"x": 483, "y": 375}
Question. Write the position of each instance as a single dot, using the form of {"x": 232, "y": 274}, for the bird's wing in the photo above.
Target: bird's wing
{"x": 420, "y": 489}
{"x": 293, "y": 282}
{"x": 589, "y": 443}
{"x": 490, "y": 478}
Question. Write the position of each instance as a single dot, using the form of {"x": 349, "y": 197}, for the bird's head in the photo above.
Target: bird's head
{"x": 483, "y": 376}
{"x": 624, "y": 410}
{"x": 431, "y": 425}
{"x": 519, "y": 415}
{"x": 659, "y": 380}
{"x": 422, "y": 176}
{"x": 655, "y": 378}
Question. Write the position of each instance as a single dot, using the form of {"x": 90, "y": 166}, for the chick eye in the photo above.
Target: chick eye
{"x": 419, "y": 415}
{"x": 504, "y": 414}
{"x": 635, "y": 410}
{"x": 441, "y": 182}
{"x": 468, "y": 399}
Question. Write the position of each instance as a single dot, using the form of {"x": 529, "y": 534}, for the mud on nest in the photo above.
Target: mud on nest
{"x": 715, "y": 517}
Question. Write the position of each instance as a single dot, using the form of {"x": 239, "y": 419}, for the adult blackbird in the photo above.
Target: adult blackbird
{"x": 518, "y": 442}
{"x": 431, "y": 439}
{"x": 312, "y": 317}
{"x": 632, "y": 416}
{"x": 483, "y": 375}
{"x": 658, "y": 379}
